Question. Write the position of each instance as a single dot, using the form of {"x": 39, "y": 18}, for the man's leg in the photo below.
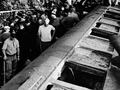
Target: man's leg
{"x": 14, "y": 65}
{"x": 8, "y": 69}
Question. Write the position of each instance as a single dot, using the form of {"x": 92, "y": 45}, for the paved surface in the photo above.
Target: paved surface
{"x": 113, "y": 79}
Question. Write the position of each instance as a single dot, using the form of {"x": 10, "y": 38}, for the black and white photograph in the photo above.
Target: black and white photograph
{"x": 59, "y": 44}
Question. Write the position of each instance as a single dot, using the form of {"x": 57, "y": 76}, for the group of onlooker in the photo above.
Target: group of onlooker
{"x": 27, "y": 35}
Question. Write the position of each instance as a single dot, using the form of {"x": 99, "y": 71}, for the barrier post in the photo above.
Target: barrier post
{"x": 4, "y": 72}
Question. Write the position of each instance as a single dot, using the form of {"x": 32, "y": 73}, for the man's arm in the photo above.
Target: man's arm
{"x": 18, "y": 53}
{"x": 39, "y": 32}
{"x": 4, "y": 50}
{"x": 52, "y": 32}
{"x": 4, "y": 54}
{"x": 17, "y": 49}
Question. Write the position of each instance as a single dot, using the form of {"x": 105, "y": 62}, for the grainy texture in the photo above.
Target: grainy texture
{"x": 108, "y": 27}
{"x": 111, "y": 22}
{"x": 97, "y": 44}
{"x": 57, "y": 87}
{"x": 47, "y": 62}
{"x": 91, "y": 58}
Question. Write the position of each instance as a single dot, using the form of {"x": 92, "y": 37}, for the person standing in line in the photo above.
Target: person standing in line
{"x": 56, "y": 23}
{"x": 32, "y": 31}
{"x": 23, "y": 38}
{"x": 5, "y": 34}
{"x": 72, "y": 13}
{"x": 113, "y": 2}
{"x": 45, "y": 33}
{"x": 10, "y": 51}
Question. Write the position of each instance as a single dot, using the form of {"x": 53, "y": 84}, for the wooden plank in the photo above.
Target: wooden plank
{"x": 108, "y": 27}
{"x": 96, "y": 44}
{"x": 85, "y": 68}
{"x": 114, "y": 8}
{"x": 67, "y": 85}
{"x": 114, "y": 16}
{"x": 113, "y": 12}
{"x": 58, "y": 87}
{"x": 109, "y": 21}
{"x": 104, "y": 31}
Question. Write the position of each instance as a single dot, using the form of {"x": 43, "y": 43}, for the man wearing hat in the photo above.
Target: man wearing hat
{"x": 10, "y": 51}
{"x": 5, "y": 34}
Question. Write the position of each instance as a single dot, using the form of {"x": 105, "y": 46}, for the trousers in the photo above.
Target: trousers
{"x": 10, "y": 66}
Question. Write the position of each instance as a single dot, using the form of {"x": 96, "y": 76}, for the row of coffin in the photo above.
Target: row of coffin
{"x": 77, "y": 61}
{"x": 90, "y": 60}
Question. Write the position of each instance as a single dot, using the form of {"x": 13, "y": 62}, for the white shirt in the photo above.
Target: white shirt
{"x": 74, "y": 15}
{"x": 116, "y": 2}
{"x": 45, "y": 32}
{"x": 69, "y": 2}
{"x": 11, "y": 46}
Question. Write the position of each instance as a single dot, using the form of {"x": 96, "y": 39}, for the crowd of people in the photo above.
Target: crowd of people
{"x": 13, "y": 5}
{"x": 27, "y": 34}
